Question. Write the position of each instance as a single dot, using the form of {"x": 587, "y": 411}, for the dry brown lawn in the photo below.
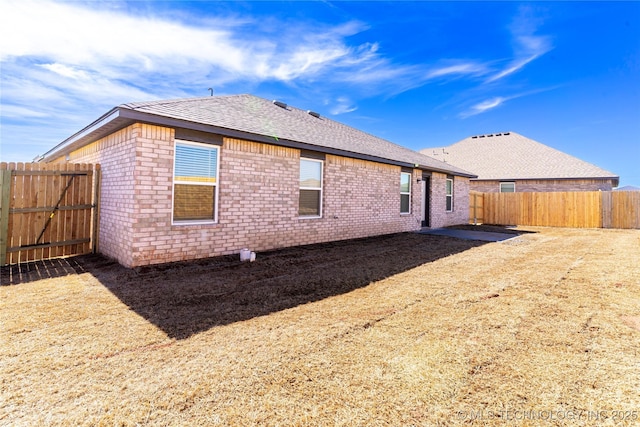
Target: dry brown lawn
{"x": 542, "y": 329}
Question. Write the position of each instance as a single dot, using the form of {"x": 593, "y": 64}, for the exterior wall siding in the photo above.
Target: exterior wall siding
{"x": 545, "y": 185}
{"x": 459, "y": 215}
{"x": 119, "y": 192}
{"x": 257, "y": 201}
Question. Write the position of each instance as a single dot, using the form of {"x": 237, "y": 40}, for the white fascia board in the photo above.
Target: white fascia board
{"x": 96, "y": 125}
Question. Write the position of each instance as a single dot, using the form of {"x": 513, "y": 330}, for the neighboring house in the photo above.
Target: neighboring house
{"x": 508, "y": 162}
{"x": 628, "y": 188}
{"x": 193, "y": 178}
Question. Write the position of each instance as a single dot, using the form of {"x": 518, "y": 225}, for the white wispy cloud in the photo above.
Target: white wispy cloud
{"x": 458, "y": 69}
{"x": 121, "y": 46}
{"x": 484, "y": 106}
{"x": 527, "y": 46}
{"x": 80, "y": 35}
{"x": 342, "y": 105}
{"x": 14, "y": 111}
{"x": 100, "y": 51}
{"x": 105, "y": 46}
{"x": 498, "y": 101}
{"x": 67, "y": 62}
{"x": 70, "y": 61}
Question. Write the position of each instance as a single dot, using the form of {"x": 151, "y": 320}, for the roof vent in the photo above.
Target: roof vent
{"x": 498, "y": 134}
{"x": 490, "y": 135}
{"x": 481, "y": 136}
{"x": 280, "y": 104}
{"x": 475, "y": 136}
{"x": 314, "y": 114}
{"x": 507, "y": 133}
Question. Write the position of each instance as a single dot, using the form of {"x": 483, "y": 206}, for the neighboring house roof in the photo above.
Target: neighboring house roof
{"x": 627, "y": 188}
{"x": 257, "y": 119}
{"x": 511, "y": 156}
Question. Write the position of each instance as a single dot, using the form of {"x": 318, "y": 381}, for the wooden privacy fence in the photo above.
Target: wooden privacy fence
{"x": 580, "y": 209}
{"x": 621, "y": 209}
{"x": 47, "y": 210}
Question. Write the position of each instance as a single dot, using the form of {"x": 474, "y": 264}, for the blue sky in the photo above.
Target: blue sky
{"x": 420, "y": 74}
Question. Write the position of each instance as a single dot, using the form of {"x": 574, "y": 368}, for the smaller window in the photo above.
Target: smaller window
{"x": 449, "y": 194}
{"x": 195, "y": 182}
{"x": 405, "y": 192}
{"x": 507, "y": 187}
{"x": 310, "y": 200}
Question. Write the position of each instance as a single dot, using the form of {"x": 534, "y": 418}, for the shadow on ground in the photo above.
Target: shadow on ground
{"x": 485, "y": 233}
{"x": 185, "y": 298}
{"x": 16, "y": 274}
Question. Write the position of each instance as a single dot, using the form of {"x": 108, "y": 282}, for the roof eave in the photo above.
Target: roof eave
{"x": 615, "y": 179}
{"x": 449, "y": 172}
{"x": 232, "y": 133}
{"x": 107, "y": 123}
{"x": 123, "y": 116}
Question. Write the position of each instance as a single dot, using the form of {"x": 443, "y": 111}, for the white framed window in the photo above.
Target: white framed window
{"x": 310, "y": 200}
{"x": 195, "y": 183}
{"x": 405, "y": 192}
{"x": 507, "y": 187}
{"x": 449, "y": 194}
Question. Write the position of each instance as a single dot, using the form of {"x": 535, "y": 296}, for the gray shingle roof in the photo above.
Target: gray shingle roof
{"x": 510, "y": 156}
{"x": 627, "y": 188}
{"x": 258, "y": 116}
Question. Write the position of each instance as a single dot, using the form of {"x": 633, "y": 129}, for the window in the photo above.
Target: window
{"x": 449, "y": 194}
{"x": 405, "y": 192}
{"x": 195, "y": 182}
{"x": 507, "y": 187}
{"x": 310, "y": 204}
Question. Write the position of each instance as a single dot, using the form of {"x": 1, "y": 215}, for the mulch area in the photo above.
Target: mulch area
{"x": 184, "y": 298}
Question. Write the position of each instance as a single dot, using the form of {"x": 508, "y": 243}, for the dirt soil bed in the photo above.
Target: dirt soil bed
{"x": 406, "y": 329}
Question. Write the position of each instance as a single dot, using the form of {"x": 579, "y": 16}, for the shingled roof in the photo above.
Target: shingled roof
{"x": 511, "y": 156}
{"x": 257, "y": 119}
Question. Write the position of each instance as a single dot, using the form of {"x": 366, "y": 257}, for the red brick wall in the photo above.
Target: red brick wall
{"x": 459, "y": 215}
{"x": 257, "y": 203}
{"x": 546, "y": 185}
{"x": 117, "y": 156}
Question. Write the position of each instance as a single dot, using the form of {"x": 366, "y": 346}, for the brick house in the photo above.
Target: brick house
{"x": 193, "y": 178}
{"x": 508, "y": 162}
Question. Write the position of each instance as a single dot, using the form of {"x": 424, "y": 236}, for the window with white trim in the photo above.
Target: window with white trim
{"x": 449, "y": 194}
{"x": 310, "y": 201}
{"x": 405, "y": 192}
{"x": 507, "y": 187}
{"x": 195, "y": 182}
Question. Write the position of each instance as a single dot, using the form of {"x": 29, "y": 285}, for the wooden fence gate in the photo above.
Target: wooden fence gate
{"x": 47, "y": 210}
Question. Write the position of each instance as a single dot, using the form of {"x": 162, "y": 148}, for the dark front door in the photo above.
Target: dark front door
{"x": 426, "y": 197}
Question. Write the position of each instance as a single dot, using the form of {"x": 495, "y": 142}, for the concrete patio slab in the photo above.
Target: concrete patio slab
{"x": 485, "y": 236}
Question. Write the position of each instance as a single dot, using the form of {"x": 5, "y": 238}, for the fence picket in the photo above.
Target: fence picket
{"x": 29, "y": 218}
{"x": 5, "y": 192}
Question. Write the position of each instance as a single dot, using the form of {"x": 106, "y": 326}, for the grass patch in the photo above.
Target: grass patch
{"x": 399, "y": 330}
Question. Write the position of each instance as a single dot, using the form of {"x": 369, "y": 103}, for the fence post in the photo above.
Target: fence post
{"x": 606, "y": 214}
{"x": 95, "y": 228}
{"x": 475, "y": 208}
{"x": 5, "y": 191}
